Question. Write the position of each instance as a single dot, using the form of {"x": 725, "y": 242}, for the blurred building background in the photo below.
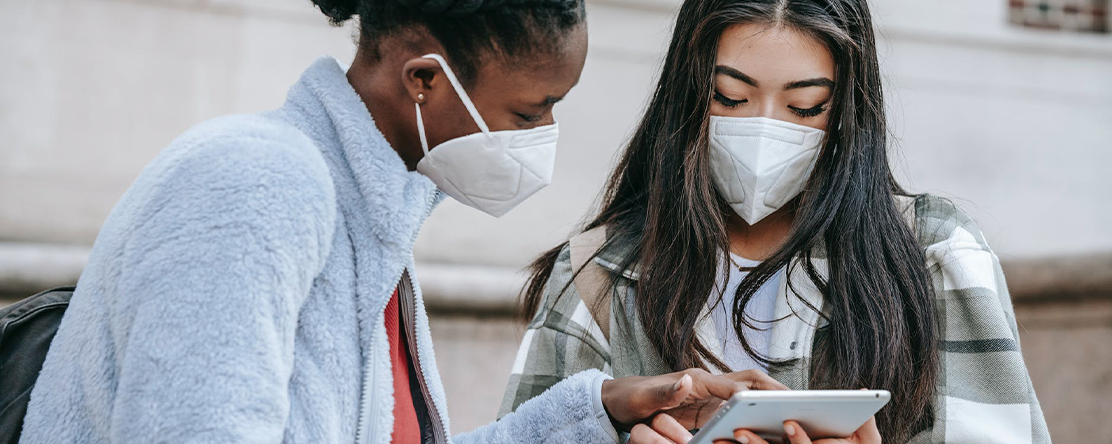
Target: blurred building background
{"x": 1005, "y": 106}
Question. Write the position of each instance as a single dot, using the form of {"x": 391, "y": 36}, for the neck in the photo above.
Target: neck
{"x": 760, "y": 240}
{"x": 377, "y": 81}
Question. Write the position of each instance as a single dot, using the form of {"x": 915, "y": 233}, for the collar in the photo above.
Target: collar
{"x": 790, "y": 338}
{"x": 614, "y": 253}
{"x": 371, "y": 177}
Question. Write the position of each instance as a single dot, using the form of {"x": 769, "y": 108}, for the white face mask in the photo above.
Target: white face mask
{"x": 492, "y": 171}
{"x": 760, "y": 164}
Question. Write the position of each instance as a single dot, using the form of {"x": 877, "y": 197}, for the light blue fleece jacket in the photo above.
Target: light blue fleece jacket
{"x": 236, "y": 293}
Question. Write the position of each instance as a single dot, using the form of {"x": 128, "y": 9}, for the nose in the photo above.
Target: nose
{"x": 768, "y": 109}
{"x": 548, "y": 119}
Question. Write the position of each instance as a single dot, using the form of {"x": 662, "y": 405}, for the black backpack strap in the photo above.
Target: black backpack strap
{"x": 26, "y": 331}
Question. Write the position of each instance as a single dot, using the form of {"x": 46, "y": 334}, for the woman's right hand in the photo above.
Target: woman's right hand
{"x": 794, "y": 434}
{"x": 663, "y": 429}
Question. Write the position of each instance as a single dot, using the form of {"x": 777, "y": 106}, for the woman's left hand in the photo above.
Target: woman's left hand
{"x": 867, "y": 434}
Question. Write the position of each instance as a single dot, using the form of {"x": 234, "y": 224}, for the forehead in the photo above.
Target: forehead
{"x": 537, "y": 74}
{"x": 776, "y": 54}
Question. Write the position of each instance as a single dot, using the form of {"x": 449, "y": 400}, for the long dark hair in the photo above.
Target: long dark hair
{"x": 660, "y": 198}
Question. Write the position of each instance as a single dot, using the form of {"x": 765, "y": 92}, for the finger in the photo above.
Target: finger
{"x": 671, "y": 395}
{"x": 643, "y": 434}
{"x": 869, "y": 433}
{"x": 720, "y": 386}
{"x": 757, "y": 380}
{"x": 747, "y": 437}
{"x": 668, "y": 427}
{"x": 795, "y": 433}
{"x": 667, "y": 393}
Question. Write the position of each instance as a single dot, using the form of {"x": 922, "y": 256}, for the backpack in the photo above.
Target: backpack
{"x": 26, "y": 330}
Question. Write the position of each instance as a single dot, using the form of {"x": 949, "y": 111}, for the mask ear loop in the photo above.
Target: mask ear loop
{"x": 421, "y": 129}
{"x": 460, "y": 92}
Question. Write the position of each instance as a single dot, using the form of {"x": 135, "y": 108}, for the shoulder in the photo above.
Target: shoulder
{"x": 560, "y": 298}
{"x": 940, "y": 221}
{"x": 246, "y": 157}
{"x": 957, "y": 252}
{"x": 243, "y": 170}
{"x": 247, "y": 147}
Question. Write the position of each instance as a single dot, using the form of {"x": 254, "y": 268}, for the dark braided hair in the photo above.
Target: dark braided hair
{"x": 469, "y": 30}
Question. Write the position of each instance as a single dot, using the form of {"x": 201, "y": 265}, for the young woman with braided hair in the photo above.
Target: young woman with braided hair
{"x": 256, "y": 283}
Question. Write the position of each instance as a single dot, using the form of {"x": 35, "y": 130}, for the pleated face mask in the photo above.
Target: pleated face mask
{"x": 492, "y": 171}
{"x": 759, "y": 164}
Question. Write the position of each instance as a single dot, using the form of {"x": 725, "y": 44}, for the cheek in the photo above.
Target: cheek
{"x": 718, "y": 109}
{"x": 446, "y": 123}
{"x": 823, "y": 122}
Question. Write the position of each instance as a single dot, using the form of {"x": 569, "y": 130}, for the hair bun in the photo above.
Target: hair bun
{"x": 338, "y": 11}
{"x": 443, "y": 6}
{"x": 454, "y": 7}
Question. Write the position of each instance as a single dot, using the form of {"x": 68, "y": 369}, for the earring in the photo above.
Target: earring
{"x": 420, "y": 97}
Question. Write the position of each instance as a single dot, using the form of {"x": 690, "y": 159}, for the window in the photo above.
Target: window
{"x": 1088, "y": 16}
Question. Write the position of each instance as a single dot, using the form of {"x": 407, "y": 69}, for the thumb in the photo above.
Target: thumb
{"x": 671, "y": 395}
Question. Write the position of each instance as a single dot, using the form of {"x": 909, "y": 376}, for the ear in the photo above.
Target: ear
{"x": 420, "y": 76}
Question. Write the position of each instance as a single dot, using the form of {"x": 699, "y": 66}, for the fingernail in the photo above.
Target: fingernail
{"x": 789, "y": 430}
{"x": 743, "y": 439}
{"x": 678, "y": 384}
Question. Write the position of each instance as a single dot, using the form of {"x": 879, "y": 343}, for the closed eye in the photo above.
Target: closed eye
{"x": 728, "y": 102}
{"x": 809, "y": 112}
{"x": 529, "y": 118}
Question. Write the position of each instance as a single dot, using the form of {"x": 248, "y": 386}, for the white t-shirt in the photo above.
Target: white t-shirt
{"x": 761, "y": 310}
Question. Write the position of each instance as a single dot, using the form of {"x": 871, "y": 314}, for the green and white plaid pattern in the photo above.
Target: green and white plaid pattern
{"x": 984, "y": 392}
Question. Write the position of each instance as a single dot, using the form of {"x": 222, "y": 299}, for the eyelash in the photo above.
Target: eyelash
{"x": 528, "y": 118}
{"x": 805, "y": 113}
{"x": 728, "y": 102}
{"x": 809, "y": 112}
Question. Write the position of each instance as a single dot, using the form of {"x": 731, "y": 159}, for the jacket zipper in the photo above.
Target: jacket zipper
{"x": 408, "y": 302}
{"x": 367, "y": 409}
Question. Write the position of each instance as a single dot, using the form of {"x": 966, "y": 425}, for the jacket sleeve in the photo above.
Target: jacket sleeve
{"x": 214, "y": 274}
{"x": 563, "y": 413}
{"x": 561, "y": 340}
{"x": 984, "y": 394}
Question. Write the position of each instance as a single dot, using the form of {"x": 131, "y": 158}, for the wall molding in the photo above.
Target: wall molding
{"x": 26, "y": 268}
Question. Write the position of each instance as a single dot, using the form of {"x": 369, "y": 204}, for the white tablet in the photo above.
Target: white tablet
{"x": 821, "y": 413}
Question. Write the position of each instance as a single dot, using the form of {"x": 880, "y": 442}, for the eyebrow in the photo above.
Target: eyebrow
{"x": 818, "y": 81}
{"x": 549, "y": 100}
{"x": 722, "y": 69}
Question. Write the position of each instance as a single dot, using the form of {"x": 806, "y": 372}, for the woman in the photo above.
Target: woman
{"x": 753, "y": 223}
{"x": 256, "y": 283}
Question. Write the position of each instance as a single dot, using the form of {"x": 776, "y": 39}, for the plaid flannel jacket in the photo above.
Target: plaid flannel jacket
{"x": 984, "y": 392}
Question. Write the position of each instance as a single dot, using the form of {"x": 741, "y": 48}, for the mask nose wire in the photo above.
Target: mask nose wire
{"x": 460, "y": 92}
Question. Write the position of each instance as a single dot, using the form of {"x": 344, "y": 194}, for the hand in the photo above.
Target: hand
{"x": 697, "y": 410}
{"x": 663, "y": 429}
{"x": 689, "y": 397}
{"x": 794, "y": 434}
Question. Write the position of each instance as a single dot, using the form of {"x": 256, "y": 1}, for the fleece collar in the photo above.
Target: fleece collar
{"x": 382, "y": 204}
{"x": 354, "y": 143}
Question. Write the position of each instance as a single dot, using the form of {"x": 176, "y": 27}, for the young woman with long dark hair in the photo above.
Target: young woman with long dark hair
{"x": 256, "y": 283}
{"x": 753, "y": 222}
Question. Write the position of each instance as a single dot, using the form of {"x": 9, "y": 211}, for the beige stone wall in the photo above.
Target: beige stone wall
{"x": 1013, "y": 123}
